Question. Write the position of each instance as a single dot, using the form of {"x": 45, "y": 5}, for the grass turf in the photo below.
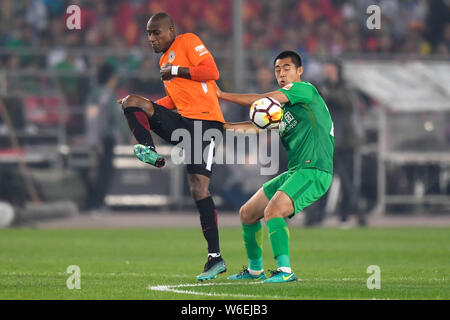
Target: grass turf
{"x": 124, "y": 264}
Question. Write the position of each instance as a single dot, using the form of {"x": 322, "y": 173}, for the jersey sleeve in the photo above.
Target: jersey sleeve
{"x": 195, "y": 49}
{"x": 206, "y": 70}
{"x": 298, "y": 92}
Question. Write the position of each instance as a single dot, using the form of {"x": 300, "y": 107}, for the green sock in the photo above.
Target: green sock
{"x": 253, "y": 239}
{"x": 279, "y": 240}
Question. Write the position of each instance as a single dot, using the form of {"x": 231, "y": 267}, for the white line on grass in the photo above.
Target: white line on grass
{"x": 176, "y": 289}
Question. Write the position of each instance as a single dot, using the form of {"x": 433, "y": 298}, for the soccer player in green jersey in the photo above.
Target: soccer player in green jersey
{"x": 306, "y": 131}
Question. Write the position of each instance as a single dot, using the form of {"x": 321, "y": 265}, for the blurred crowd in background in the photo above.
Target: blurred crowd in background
{"x": 34, "y": 39}
{"x": 113, "y": 31}
{"x": 323, "y": 27}
{"x": 329, "y": 27}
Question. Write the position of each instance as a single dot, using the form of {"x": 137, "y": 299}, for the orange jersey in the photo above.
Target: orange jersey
{"x": 193, "y": 99}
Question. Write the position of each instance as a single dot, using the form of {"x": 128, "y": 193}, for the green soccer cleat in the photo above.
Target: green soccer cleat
{"x": 246, "y": 275}
{"x": 279, "y": 276}
{"x": 213, "y": 267}
{"x": 148, "y": 155}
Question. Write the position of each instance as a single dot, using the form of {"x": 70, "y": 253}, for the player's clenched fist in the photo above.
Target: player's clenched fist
{"x": 166, "y": 71}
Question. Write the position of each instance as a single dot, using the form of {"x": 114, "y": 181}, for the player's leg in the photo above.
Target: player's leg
{"x": 137, "y": 111}
{"x": 252, "y": 232}
{"x": 301, "y": 189}
{"x": 199, "y": 187}
{"x": 250, "y": 215}
{"x": 199, "y": 174}
{"x": 164, "y": 123}
{"x": 280, "y": 207}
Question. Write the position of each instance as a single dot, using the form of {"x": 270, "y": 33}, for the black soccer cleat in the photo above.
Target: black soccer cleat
{"x": 213, "y": 267}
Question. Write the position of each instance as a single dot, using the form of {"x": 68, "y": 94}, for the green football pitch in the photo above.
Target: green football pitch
{"x": 414, "y": 263}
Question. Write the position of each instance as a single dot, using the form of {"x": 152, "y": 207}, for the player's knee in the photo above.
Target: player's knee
{"x": 147, "y": 106}
{"x": 243, "y": 214}
{"x": 137, "y": 101}
{"x": 272, "y": 211}
{"x": 129, "y": 101}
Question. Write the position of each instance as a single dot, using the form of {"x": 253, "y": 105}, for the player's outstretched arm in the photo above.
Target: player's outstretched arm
{"x": 205, "y": 71}
{"x": 244, "y": 127}
{"x": 246, "y": 99}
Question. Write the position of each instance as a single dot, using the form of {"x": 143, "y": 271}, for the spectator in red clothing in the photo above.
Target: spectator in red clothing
{"x": 218, "y": 15}
{"x": 329, "y": 27}
{"x": 386, "y": 44}
{"x": 251, "y": 9}
{"x": 311, "y": 11}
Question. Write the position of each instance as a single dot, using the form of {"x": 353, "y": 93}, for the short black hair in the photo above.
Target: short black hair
{"x": 105, "y": 72}
{"x": 295, "y": 57}
{"x": 163, "y": 16}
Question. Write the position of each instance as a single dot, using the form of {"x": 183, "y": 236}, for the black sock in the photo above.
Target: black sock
{"x": 139, "y": 125}
{"x": 208, "y": 220}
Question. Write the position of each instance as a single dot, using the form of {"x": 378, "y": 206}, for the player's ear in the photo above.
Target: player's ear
{"x": 300, "y": 70}
{"x": 172, "y": 30}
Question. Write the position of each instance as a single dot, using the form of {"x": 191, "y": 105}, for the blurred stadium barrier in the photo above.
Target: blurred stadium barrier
{"x": 413, "y": 137}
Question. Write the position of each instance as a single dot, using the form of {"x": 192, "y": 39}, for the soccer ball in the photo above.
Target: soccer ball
{"x": 266, "y": 113}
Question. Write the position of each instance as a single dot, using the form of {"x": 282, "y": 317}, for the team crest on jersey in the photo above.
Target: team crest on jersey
{"x": 289, "y": 122}
{"x": 288, "y": 86}
{"x": 171, "y": 56}
{"x": 288, "y": 116}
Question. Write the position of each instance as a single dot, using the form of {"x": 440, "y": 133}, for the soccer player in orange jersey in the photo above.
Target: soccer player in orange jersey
{"x": 189, "y": 73}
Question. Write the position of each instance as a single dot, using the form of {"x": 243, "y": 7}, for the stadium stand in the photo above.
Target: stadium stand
{"x": 52, "y": 69}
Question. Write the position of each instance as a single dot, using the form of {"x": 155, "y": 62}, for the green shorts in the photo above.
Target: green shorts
{"x": 303, "y": 186}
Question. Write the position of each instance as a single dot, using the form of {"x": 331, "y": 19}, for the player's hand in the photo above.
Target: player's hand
{"x": 166, "y": 71}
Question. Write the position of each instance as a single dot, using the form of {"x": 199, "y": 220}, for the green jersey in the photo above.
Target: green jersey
{"x": 306, "y": 129}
